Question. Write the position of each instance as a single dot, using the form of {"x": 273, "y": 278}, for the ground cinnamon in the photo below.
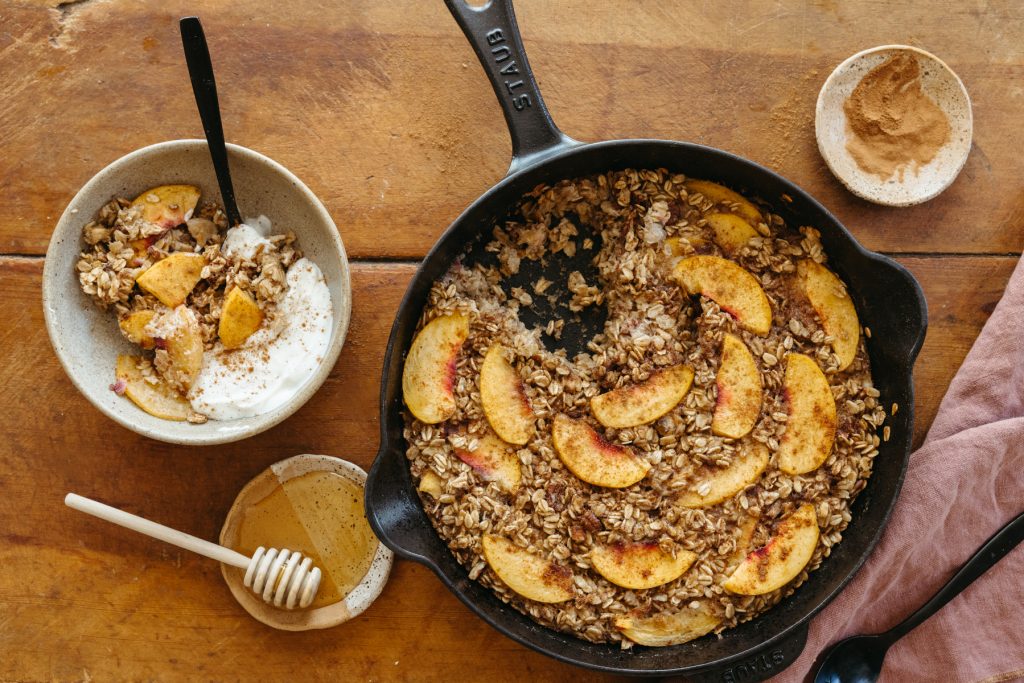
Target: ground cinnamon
{"x": 891, "y": 123}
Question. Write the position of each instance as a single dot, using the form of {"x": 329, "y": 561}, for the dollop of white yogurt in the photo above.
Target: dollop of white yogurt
{"x": 276, "y": 360}
{"x": 243, "y": 240}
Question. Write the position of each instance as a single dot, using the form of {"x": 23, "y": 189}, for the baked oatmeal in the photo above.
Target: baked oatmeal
{"x": 687, "y": 470}
{"x": 229, "y": 321}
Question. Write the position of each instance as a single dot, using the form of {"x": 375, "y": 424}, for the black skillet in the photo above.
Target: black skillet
{"x": 888, "y": 299}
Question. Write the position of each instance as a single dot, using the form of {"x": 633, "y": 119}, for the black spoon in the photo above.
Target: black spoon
{"x": 859, "y": 659}
{"x": 200, "y": 70}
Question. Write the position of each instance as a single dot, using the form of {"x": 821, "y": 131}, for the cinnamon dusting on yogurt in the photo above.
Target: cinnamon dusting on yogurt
{"x": 276, "y": 360}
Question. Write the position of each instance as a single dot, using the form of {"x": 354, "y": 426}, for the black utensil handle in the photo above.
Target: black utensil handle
{"x": 494, "y": 35}
{"x": 995, "y": 548}
{"x": 204, "y": 86}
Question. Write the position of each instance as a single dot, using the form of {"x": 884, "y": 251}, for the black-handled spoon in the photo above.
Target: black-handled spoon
{"x": 859, "y": 659}
{"x": 200, "y": 70}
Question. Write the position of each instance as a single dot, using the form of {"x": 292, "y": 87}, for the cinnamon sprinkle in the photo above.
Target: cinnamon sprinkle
{"x": 891, "y": 124}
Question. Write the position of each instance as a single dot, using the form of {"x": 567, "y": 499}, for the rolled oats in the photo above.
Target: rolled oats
{"x": 651, "y": 324}
{"x": 121, "y": 245}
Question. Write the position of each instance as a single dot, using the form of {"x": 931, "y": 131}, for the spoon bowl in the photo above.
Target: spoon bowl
{"x": 855, "y": 660}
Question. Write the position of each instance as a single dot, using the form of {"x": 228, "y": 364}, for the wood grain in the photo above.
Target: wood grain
{"x": 81, "y": 599}
{"x": 383, "y": 111}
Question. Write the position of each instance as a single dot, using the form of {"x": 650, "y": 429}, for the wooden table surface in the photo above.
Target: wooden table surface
{"x": 381, "y": 108}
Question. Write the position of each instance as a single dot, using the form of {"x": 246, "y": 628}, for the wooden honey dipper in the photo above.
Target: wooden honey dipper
{"x": 282, "y": 578}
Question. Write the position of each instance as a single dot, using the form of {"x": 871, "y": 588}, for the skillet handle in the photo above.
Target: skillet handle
{"x": 494, "y": 34}
{"x": 393, "y": 509}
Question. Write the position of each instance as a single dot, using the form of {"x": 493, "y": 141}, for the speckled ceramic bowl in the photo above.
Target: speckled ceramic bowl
{"x": 87, "y": 339}
{"x": 940, "y": 83}
{"x": 351, "y": 605}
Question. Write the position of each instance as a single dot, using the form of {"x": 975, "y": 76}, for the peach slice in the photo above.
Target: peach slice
{"x": 168, "y": 205}
{"x": 504, "y": 398}
{"x": 720, "y": 194}
{"x": 675, "y": 246}
{"x": 428, "y": 378}
{"x": 158, "y": 399}
{"x": 744, "y": 536}
{"x": 811, "y": 416}
{"x": 530, "y": 576}
{"x": 183, "y": 340}
{"x": 431, "y": 484}
{"x": 731, "y": 232}
{"x": 493, "y": 460}
{"x": 639, "y": 404}
{"x": 739, "y": 390}
{"x": 141, "y": 245}
{"x": 722, "y": 483}
{"x": 240, "y": 317}
{"x": 681, "y": 246}
{"x": 172, "y": 279}
{"x": 661, "y": 630}
{"x": 730, "y": 286}
{"x": 781, "y": 559}
{"x": 639, "y": 565}
{"x": 133, "y": 327}
{"x": 592, "y": 459}
{"x": 835, "y": 309}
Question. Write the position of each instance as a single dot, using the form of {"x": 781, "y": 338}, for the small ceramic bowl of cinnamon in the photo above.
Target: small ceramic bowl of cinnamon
{"x": 894, "y": 124}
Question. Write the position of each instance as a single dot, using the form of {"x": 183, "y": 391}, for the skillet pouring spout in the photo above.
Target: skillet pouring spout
{"x": 888, "y": 299}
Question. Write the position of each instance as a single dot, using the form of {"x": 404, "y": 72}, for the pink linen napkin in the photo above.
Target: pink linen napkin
{"x": 962, "y": 485}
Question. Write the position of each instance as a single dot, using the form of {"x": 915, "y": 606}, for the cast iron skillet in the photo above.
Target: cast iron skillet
{"x": 888, "y": 299}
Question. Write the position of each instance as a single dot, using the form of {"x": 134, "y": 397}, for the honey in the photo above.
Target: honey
{"x": 320, "y": 514}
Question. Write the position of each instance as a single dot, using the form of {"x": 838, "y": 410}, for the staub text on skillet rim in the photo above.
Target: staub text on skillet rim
{"x": 888, "y": 299}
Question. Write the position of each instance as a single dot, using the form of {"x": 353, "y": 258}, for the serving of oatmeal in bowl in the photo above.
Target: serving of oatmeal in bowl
{"x": 180, "y": 326}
